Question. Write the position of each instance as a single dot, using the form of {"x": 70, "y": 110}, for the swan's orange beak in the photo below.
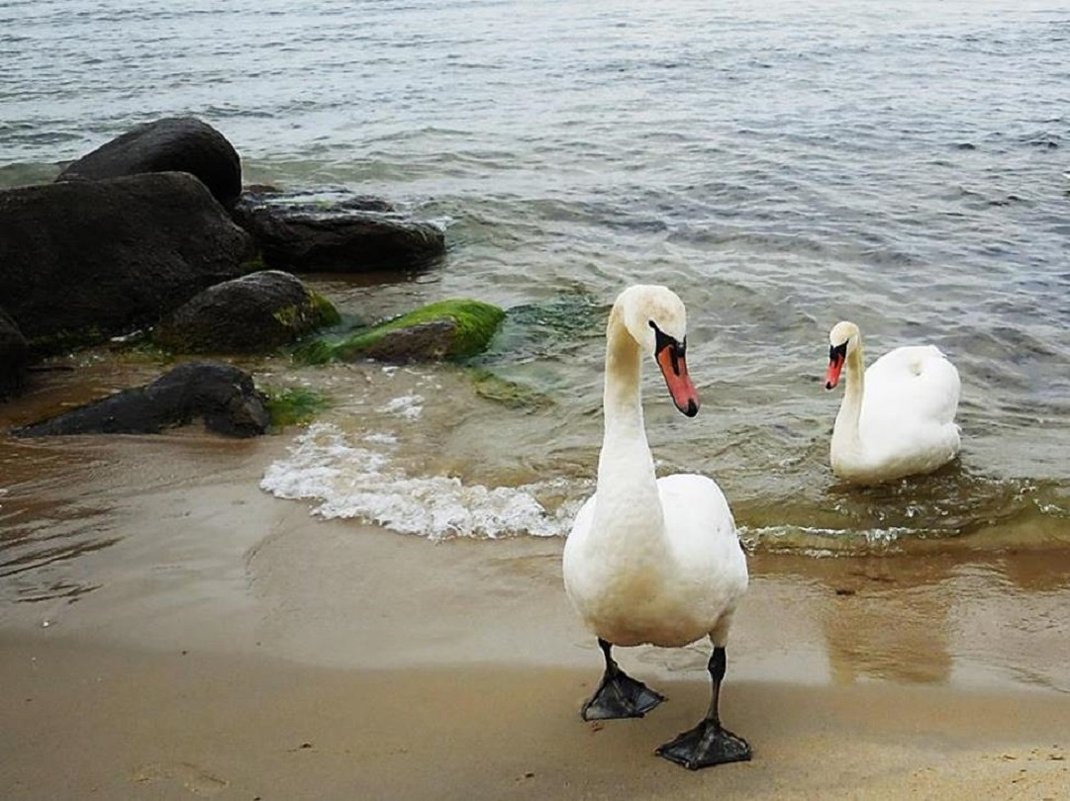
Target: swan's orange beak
{"x": 837, "y": 356}
{"x": 674, "y": 368}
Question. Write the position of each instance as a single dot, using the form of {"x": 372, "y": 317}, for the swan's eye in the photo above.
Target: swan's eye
{"x": 676, "y": 348}
{"x": 837, "y": 353}
{"x": 661, "y": 339}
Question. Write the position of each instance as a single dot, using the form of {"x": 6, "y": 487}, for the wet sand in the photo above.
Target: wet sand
{"x": 87, "y": 722}
{"x": 222, "y": 643}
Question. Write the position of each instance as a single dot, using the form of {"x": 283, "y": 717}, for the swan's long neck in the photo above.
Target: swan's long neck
{"x": 627, "y": 488}
{"x": 845, "y": 432}
{"x": 621, "y": 399}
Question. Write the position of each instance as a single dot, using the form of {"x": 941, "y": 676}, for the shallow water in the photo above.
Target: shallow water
{"x": 781, "y": 165}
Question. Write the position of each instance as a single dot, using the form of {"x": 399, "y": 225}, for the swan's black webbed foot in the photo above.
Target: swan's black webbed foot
{"x": 709, "y": 743}
{"x": 618, "y": 695}
{"x": 705, "y": 745}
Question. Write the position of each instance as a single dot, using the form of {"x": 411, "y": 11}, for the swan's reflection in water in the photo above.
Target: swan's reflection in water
{"x": 970, "y": 619}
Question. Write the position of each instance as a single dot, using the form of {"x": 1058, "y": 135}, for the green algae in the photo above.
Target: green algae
{"x": 510, "y": 394}
{"x": 294, "y": 405}
{"x": 469, "y": 327}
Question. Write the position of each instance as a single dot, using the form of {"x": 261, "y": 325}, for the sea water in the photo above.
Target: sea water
{"x": 781, "y": 165}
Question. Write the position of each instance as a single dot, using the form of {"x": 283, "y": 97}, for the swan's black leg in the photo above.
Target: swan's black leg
{"x": 618, "y": 695}
{"x": 708, "y": 743}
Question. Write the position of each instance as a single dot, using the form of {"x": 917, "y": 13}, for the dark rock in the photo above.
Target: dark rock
{"x": 252, "y": 314}
{"x": 356, "y": 234}
{"x": 14, "y": 353}
{"x": 174, "y": 144}
{"x": 224, "y": 396}
{"x": 82, "y": 261}
{"x": 315, "y": 202}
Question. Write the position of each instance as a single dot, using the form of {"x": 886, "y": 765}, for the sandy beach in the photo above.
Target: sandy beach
{"x": 233, "y": 646}
{"x": 88, "y": 722}
{"x": 185, "y": 616}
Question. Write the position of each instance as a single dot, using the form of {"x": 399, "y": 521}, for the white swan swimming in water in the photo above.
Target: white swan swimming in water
{"x": 897, "y": 417}
{"x": 650, "y": 560}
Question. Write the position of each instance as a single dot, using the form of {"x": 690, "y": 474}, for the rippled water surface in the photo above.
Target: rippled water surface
{"x": 781, "y": 165}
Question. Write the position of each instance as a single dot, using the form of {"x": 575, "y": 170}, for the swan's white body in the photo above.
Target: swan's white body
{"x": 649, "y": 561}
{"x": 897, "y": 417}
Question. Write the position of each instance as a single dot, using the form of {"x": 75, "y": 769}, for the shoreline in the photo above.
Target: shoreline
{"x": 223, "y": 629}
{"x": 220, "y": 566}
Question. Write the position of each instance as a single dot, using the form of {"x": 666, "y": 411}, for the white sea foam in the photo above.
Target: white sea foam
{"x": 347, "y": 480}
{"x": 819, "y": 541}
{"x": 409, "y": 407}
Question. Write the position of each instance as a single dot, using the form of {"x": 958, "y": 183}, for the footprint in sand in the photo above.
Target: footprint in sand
{"x": 197, "y": 781}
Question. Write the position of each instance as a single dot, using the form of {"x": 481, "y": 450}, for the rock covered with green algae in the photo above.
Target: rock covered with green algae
{"x": 449, "y": 329}
{"x": 252, "y": 314}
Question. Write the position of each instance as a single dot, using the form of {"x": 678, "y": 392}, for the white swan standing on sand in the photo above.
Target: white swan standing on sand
{"x": 653, "y": 561}
{"x": 897, "y": 417}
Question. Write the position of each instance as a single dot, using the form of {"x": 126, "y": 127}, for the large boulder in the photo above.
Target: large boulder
{"x": 256, "y": 313}
{"x": 83, "y": 261}
{"x": 14, "y": 353}
{"x": 174, "y": 144}
{"x": 351, "y": 235}
{"x": 223, "y": 395}
{"x": 448, "y": 329}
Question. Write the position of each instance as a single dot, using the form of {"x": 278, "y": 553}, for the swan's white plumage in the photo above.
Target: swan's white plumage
{"x": 649, "y": 561}
{"x": 897, "y": 417}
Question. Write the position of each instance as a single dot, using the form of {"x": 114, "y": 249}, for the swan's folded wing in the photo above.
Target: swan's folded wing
{"x": 909, "y": 387}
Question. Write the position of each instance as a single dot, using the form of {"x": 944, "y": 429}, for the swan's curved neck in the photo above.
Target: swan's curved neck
{"x": 621, "y": 398}
{"x": 846, "y": 428}
{"x": 625, "y": 468}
